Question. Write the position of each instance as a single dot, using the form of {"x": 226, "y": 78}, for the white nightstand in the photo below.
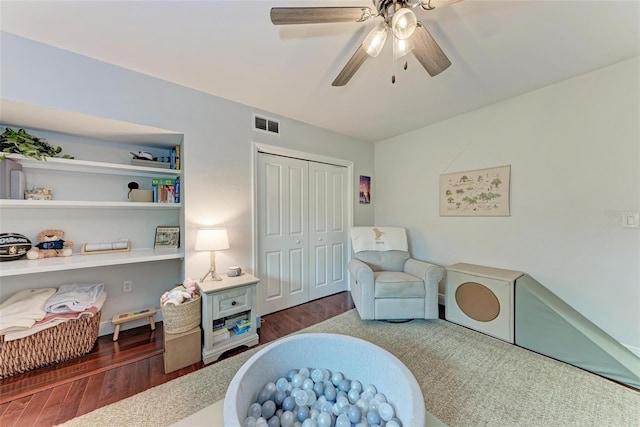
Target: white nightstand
{"x": 227, "y": 300}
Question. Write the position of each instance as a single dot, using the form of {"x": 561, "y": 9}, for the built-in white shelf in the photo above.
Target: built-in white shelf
{"x": 88, "y": 166}
{"x": 78, "y": 261}
{"x": 62, "y": 204}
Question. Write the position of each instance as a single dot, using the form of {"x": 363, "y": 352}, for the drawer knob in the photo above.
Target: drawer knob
{"x": 233, "y": 303}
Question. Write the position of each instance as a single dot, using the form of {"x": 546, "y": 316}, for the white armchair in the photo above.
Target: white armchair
{"x": 386, "y": 283}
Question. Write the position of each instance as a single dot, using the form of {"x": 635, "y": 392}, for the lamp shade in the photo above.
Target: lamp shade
{"x": 212, "y": 239}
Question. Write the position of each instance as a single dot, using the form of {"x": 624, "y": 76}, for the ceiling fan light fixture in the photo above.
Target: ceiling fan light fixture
{"x": 374, "y": 41}
{"x": 401, "y": 47}
{"x": 404, "y": 23}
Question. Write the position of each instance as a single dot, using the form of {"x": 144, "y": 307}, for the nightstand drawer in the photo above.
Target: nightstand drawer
{"x": 231, "y": 302}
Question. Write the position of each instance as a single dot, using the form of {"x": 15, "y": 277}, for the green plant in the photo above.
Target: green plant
{"x": 28, "y": 145}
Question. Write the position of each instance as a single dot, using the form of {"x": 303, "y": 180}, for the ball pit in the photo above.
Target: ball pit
{"x": 354, "y": 358}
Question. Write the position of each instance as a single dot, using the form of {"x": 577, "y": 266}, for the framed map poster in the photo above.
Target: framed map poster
{"x": 480, "y": 192}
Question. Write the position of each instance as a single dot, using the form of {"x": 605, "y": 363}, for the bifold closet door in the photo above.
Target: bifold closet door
{"x": 283, "y": 235}
{"x": 328, "y": 231}
{"x": 302, "y": 231}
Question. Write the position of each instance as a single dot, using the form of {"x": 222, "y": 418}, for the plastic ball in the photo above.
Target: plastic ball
{"x": 354, "y": 414}
{"x": 316, "y": 375}
{"x": 336, "y": 378}
{"x": 303, "y": 413}
{"x": 344, "y": 385}
{"x": 363, "y": 405}
{"x": 297, "y": 380}
{"x": 353, "y": 396}
{"x": 287, "y": 419}
{"x": 300, "y": 397}
{"x": 268, "y": 409}
{"x": 324, "y": 420}
{"x": 281, "y": 384}
{"x": 394, "y": 422}
{"x": 288, "y": 404}
{"x": 386, "y": 411}
{"x": 255, "y": 410}
{"x": 249, "y": 422}
{"x": 371, "y": 389}
{"x": 318, "y": 389}
{"x": 373, "y": 417}
{"x": 343, "y": 421}
{"x": 304, "y": 372}
{"x": 330, "y": 393}
{"x": 279, "y": 397}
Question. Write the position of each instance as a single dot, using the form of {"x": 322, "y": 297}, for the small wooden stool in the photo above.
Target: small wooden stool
{"x": 119, "y": 319}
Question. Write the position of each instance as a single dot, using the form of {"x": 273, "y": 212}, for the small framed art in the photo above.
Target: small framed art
{"x": 365, "y": 189}
{"x": 167, "y": 237}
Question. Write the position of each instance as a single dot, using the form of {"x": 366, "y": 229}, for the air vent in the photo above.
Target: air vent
{"x": 265, "y": 124}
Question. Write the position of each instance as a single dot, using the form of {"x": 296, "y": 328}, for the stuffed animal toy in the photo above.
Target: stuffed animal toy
{"x": 175, "y": 296}
{"x": 51, "y": 245}
{"x": 191, "y": 286}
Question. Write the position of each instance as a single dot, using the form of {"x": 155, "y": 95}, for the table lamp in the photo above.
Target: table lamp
{"x": 212, "y": 240}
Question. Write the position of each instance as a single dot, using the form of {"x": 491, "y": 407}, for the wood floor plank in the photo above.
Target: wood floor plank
{"x": 115, "y": 370}
{"x": 91, "y": 394}
{"x": 33, "y": 409}
{"x": 69, "y": 407}
{"x": 14, "y": 411}
{"x": 52, "y": 406}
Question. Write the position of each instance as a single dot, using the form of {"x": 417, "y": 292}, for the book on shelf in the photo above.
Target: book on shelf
{"x": 174, "y": 157}
{"x": 221, "y": 335}
{"x": 151, "y": 163}
{"x": 241, "y": 327}
{"x": 164, "y": 190}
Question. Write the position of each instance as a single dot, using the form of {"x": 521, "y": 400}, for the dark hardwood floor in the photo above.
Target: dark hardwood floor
{"x": 114, "y": 371}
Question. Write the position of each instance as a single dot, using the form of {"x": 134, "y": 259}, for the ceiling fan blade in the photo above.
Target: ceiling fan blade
{"x": 427, "y": 51}
{"x": 352, "y": 66}
{"x": 318, "y": 15}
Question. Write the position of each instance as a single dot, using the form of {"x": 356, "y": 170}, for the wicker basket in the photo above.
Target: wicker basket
{"x": 62, "y": 342}
{"x": 181, "y": 318}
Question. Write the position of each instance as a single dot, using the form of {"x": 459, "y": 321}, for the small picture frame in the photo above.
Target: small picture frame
{"x": 167, "y": 237}
{"x": 365, "y": 190}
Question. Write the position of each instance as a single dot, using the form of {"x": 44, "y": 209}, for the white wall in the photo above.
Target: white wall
{"x": 218, "y": 137}
{"x": 574, "y": 153}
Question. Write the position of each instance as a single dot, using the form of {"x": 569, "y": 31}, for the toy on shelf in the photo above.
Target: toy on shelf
{"x": 51, "y": 245}
{"x": 39, "y": 193}
{"x": 112, "y": 246}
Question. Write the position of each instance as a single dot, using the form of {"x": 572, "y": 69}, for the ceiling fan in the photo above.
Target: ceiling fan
{"x": 398, "y": 20}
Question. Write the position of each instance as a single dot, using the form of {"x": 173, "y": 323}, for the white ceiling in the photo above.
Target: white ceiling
{"x": 499, "y": 49}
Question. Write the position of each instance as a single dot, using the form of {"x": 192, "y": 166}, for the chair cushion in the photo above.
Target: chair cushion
{"x": 396, "y": 284}
{"x": 383, "y": 260}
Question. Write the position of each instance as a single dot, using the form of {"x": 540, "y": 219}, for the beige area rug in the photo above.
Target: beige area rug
{"x": 467, "y": 378}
